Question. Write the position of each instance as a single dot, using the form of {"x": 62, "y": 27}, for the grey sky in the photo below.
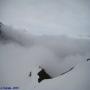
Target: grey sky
{"x": 47, "y": 16}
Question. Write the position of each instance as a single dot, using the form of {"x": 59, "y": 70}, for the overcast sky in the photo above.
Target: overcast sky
{"x": 47, "y": 16}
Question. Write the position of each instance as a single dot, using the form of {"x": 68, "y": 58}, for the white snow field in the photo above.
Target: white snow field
{"x": 22, "y": 53}
{"x": 77, "y": 79}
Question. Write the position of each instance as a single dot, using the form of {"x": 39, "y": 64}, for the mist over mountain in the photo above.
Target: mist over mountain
{"x": 22, "y": 53}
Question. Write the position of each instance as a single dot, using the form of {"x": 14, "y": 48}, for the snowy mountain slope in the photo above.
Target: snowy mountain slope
{"x": 77, "y": 79}
{"x": 16, "y": 63}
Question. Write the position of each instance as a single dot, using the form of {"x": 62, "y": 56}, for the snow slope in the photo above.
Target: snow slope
{"x": 77, "y": 79}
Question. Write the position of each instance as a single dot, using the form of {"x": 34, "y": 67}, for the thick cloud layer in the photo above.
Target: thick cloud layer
{"x": 56, "y": 54}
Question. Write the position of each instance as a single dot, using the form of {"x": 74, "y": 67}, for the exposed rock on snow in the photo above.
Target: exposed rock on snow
{"x": 37, "y": 75}
{"x": 88, "y": 59}
{"x": 43, "y": 75}
{"x": 77, "y": 79}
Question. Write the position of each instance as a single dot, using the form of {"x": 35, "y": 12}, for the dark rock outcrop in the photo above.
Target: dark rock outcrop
{"x": 88, "y": 59}
{"x": 43, "y": 75}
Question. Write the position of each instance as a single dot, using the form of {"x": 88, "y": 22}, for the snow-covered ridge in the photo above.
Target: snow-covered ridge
{"x": 77, "y": 79}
